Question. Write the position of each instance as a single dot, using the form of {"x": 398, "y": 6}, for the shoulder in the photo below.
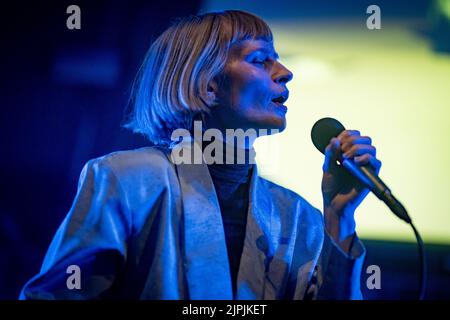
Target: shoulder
{"x": 131, "y": 165}
{"x": 135, "y": 157}
{"x": 292, "y": 201}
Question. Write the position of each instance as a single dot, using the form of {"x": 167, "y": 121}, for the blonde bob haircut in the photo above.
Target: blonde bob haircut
{"x": 168, "y": 90}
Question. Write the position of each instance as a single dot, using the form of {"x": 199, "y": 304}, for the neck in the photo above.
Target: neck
{"x": 230, "y": 154}
{"x": 236, "y": 137}
{"x": 231, "y": 141}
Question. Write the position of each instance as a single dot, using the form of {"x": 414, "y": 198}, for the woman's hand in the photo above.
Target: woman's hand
{"x": 342, "y": 193}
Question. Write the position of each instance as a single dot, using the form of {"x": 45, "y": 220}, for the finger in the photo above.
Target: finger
{"x": 348, "y": 133}
{"x": 368, "y": 159}
{"x": 359, "y": 149}
{"x": 352, "y": 140}
{"x": 332, "y": 153}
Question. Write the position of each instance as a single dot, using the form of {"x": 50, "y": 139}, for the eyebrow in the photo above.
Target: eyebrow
{"x": 268, "y": 51}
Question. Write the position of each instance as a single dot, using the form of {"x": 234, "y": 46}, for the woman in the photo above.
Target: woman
{"x": 145, "y": 225}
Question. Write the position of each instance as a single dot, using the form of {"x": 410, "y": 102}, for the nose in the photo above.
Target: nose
{"x": 283, "y": 75}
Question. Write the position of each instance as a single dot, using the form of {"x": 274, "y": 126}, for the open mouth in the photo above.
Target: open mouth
{"x": 281, "y": 99}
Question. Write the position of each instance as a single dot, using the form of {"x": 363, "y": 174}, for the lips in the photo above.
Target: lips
{"x": 280, "y": 108}
{"x": 280, "y": 99}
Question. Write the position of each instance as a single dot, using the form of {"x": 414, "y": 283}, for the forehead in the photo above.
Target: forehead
{"x": 245, "y": 47}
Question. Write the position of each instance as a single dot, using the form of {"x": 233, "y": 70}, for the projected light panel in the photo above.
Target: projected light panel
{"x": 390, "y": 86}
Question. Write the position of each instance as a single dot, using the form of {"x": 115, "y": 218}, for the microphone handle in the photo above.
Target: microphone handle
{"x": 366, "y": 175}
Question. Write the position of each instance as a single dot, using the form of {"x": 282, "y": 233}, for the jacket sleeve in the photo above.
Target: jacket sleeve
{"x": 320, "y": 269}
{"x": 337, "y": 274}
{"x": 89, "y": 248}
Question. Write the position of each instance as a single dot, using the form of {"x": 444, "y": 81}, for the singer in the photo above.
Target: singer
{"x": 144, "y": 227}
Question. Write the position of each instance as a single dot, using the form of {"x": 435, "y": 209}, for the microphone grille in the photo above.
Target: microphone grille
{"x": 323, "y": 131}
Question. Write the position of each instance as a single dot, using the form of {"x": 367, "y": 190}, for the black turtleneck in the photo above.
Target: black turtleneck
{"x": 232, "y": 182}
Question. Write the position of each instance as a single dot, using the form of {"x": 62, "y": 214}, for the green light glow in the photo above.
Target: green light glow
{"x": 389, "y": 85}
{"x": 444, "y": 7}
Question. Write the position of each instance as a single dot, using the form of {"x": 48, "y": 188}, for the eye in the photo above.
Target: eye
{"x": 259, "y": 61}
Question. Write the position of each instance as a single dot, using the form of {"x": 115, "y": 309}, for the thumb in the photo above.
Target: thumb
{"x": 332, "y": 152}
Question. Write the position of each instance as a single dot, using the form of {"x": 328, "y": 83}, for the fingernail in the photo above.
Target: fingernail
{"x": 336, "y": 142}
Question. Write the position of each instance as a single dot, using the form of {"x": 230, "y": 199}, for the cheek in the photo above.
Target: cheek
{"x": 249, "y": 87}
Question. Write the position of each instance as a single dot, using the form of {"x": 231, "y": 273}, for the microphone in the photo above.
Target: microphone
{"x": 321, "y": 134}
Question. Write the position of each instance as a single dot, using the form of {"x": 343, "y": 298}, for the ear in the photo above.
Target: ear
{"x": 211, "y": 93}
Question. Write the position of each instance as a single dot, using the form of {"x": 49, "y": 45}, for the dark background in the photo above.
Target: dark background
{"x": 64, "y": 94}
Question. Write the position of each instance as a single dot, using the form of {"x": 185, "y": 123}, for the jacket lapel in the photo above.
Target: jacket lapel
{"x": 206, "y": 259}
{"x": 267, "y": 251}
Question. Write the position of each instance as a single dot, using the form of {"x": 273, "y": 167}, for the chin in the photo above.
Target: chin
{"x": 281, "y": 127}
{"x": 274, "y": 123}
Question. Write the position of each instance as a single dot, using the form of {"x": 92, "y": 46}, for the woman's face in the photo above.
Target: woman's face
{"x": 252, "y": 79}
